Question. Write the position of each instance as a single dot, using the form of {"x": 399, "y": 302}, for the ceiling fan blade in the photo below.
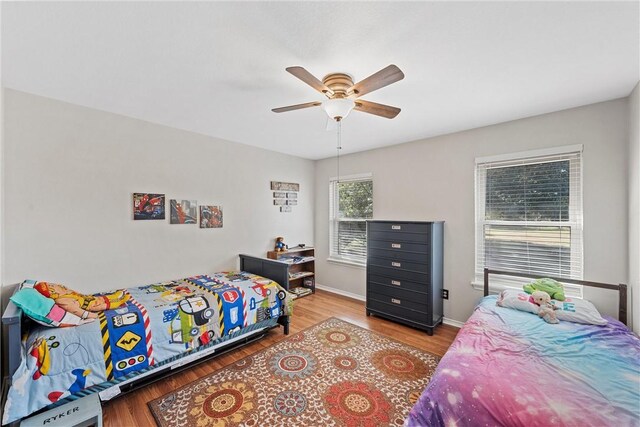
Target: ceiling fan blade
{"x": 378, "y": 109}
{"x": 296, "y": 107}
{"x": 310, "y": 79}
{"x": 382, "y": 78}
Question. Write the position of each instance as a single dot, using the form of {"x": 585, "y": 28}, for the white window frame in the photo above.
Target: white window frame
{"x": 499, "y": 283}
{"x": 334, "y": 220}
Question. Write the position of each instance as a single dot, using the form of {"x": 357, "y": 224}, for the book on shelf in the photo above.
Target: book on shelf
{"x": 295, "y": 259}
{"x": 300, "y": 291}
{"x": 297, "y": 274}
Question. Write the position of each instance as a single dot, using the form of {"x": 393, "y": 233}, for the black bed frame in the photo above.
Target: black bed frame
{"x": 621, "y": 288}
{"x": 14, "y": 321}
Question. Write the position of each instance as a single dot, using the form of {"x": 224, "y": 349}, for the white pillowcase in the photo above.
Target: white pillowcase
{"x": 571, "y": 309}
{"x": 520, "y": 300}
{"x": 578, "y": 311}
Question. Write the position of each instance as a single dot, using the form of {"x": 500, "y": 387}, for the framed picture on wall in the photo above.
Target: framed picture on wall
{"x": 210, "y": 216}
{"x": 285, "y": 186}
{"x": 183, "y": 211}
{"x": 148, "y": 206}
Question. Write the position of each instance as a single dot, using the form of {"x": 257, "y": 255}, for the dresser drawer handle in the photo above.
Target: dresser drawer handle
{"x": 395, "y": 301}
{"x": 396, "y": 264}
{"x": 396, "y": 227}
{"x": 396, "y": 246}
{"x": 395, "y": 282}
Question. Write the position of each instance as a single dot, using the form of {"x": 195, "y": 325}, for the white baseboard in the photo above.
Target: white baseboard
{"x": 446, "y": 321}
{"x": 341, "y": 292}
{"x": 452, "y": 322}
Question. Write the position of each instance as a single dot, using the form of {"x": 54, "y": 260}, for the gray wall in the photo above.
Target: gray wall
{"x": 634, "y": 204}
{"x": 69, "y": 178}
{"x": 433, "y": 179}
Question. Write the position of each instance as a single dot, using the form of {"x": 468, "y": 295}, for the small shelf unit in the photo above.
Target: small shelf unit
{"x": 301, "y": 273}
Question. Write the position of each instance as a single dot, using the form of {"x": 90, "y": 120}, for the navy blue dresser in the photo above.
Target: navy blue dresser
{"x": 404, "y": 272}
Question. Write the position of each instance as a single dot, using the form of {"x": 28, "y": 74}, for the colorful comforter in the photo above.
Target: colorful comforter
{"x": 158, "y": 324}
{"x": 511, "y": 368}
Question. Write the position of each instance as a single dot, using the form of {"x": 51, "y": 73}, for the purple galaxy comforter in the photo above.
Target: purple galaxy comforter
{"x": 508, "y": 367}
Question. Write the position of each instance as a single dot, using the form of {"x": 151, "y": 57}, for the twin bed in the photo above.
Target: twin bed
{"x": 162, "y": 327}
{"x": 511, "y": 368}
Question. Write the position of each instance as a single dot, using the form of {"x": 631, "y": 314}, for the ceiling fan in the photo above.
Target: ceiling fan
{"x": 343, "y": 95}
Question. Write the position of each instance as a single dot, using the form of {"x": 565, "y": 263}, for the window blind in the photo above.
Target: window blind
{"x": 350, "y": 205}
{"x": 529, "y": 215}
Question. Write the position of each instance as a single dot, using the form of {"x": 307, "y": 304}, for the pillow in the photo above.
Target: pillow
{"x": 578, "y": 311}
{"x": 571, "y": 309}
{"x": 44, "y": 310}
{"x": 81, "y": 305}
{"x": 513, "y": 298}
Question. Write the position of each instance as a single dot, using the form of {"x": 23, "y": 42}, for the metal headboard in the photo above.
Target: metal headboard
{"x": 621, "y": 288}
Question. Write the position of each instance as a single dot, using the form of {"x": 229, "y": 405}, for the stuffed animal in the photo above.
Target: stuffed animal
{"x": 280, "y": 246}
{"x": 83, "y": 306}
{"x": 546, "y": 310}
{"x": 550, "y": 286}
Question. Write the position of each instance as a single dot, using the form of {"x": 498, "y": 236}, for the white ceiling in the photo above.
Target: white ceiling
{"x": 218, "y": 68}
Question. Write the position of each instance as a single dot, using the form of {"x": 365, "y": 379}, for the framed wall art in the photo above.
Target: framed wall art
{"x": 148, "y": 206}
{"x": 183, "y": 211}
{"x": 286, "y": 194}
{"x": 210, "y": 216}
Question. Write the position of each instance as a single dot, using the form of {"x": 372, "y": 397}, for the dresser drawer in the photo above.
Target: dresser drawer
{"x": 398, "y": 293}
{"x": 397, "y": 274}
{"x": 375, "y": 279}
{"x": 398, "y": 255}
{"x": 398, "y": 245}
{"x": 398, "y": 311}
{"x": 410, "y": 302}
{"x": 421, "y": 267}
{"x": 399, "y": 227}
{"x": 392, "y": 236}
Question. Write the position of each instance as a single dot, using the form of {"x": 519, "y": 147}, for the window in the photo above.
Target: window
{"x": 350, "y": 206}
{"x": 529, "y": 213}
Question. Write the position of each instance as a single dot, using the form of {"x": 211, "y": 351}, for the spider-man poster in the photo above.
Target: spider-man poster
{"x": 148, "y": 206}
{"x": 210, "y": 216}
{"x": 183, "y": 211}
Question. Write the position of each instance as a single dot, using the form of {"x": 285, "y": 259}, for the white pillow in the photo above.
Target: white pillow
{"x": 571, "y": 309}
{"x": 578, "y": 311}
{"x": 520, "y": 300}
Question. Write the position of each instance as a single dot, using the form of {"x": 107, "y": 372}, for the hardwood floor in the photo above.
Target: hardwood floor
{"x": 132, "y": 409}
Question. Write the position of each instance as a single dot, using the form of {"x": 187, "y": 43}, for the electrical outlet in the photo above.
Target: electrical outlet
{"x": 445, "y": 294}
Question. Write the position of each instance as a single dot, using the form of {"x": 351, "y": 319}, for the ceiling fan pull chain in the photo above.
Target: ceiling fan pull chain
{"x": 339, "y": 146}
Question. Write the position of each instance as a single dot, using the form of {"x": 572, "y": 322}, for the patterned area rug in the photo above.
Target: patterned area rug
{"x": 333, "y": 373}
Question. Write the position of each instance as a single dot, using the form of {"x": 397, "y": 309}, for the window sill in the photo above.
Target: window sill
{"x": 496, "y": 286}
{"x": 478, "y": 285}
{"x": 349, "y": 263}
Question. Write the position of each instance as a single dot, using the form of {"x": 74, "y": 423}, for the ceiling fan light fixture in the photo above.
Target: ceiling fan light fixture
{"x": 338, "y": 108}
{"x": 339, "y": 87}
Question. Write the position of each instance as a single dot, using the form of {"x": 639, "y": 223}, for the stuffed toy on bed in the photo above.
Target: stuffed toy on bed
{"x": 546, "y": 310}
{"x": 83, "y": 306}
{"x": 550, "y": 286}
